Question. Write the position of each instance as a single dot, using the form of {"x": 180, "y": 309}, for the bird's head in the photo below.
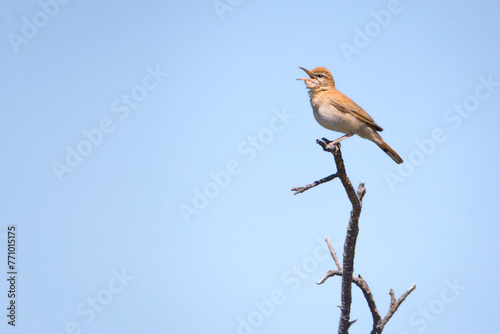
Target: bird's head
{"x": 319, "y": 78}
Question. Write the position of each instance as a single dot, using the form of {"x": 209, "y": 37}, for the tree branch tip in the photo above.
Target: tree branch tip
{"x": 325, "y": 144}
{"x": 322, "y": 144}
{"x": 393, "y": 298}
{"x": 361, "y": 191}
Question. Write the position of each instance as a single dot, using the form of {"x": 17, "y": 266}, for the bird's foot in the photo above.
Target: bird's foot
{"x": 336, "y": 142}
{"x": 331, "y": 145}
{"x": 327, "y": 144}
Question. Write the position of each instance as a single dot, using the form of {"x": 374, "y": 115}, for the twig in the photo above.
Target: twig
{"x": 300, "y": 190}
{"x": 394, "y": 307}
{"x": 332, "y": 252}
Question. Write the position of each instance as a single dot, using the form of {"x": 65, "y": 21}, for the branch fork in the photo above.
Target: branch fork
{"x": 378, "y": 322}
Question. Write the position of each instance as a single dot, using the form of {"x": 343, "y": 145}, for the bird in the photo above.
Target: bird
{"x": 335, "y": 111}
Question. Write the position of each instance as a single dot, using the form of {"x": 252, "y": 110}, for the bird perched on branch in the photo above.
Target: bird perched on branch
{"x": 335, "y": 111}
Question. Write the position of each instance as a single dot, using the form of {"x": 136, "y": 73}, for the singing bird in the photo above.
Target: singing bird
{"x": 335, "y": 111}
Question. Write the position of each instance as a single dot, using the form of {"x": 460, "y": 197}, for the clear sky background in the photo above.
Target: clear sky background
{"x": 148, "y": 151}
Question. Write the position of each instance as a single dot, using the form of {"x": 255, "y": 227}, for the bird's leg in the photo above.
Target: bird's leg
{"x": 332, "y": 143}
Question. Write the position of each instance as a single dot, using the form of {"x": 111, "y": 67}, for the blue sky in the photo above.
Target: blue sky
{"x": 148, "y": 151}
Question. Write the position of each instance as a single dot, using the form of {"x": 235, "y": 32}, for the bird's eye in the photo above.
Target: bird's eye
{"x": 320, "y": 75}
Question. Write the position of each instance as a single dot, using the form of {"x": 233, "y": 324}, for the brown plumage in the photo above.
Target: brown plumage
{"x": 335, "y": 111}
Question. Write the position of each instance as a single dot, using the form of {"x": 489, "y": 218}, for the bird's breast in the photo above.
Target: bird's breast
{"x": 333, "y": 119}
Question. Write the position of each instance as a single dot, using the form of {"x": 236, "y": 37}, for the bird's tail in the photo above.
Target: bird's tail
{"x": 387, "y": 149}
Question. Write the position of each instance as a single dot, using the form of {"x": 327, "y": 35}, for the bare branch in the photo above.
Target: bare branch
{"x": 350, "y": 241}
{"x": 329, "y": 274}
{"x": 361, "y": 283}
{"x": 346, "y": 271}
{"x": 334, "y": 255}
{"x": 352, "y": 230}
{"x": 394, "y": 306}
{"x": 378, "y": 322}
{"x": 300, "y": 190}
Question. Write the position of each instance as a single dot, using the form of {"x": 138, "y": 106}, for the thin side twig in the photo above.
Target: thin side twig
{"x": 300, "y": 190}
{"x": 334, "y": 255}
{"x": 394, "y": 307}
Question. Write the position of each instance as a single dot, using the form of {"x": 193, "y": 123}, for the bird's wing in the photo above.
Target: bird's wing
{"x": 345, "y": 104}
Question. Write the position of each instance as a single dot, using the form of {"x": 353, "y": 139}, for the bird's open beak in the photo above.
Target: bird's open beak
{"x": 311, "y": 76}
